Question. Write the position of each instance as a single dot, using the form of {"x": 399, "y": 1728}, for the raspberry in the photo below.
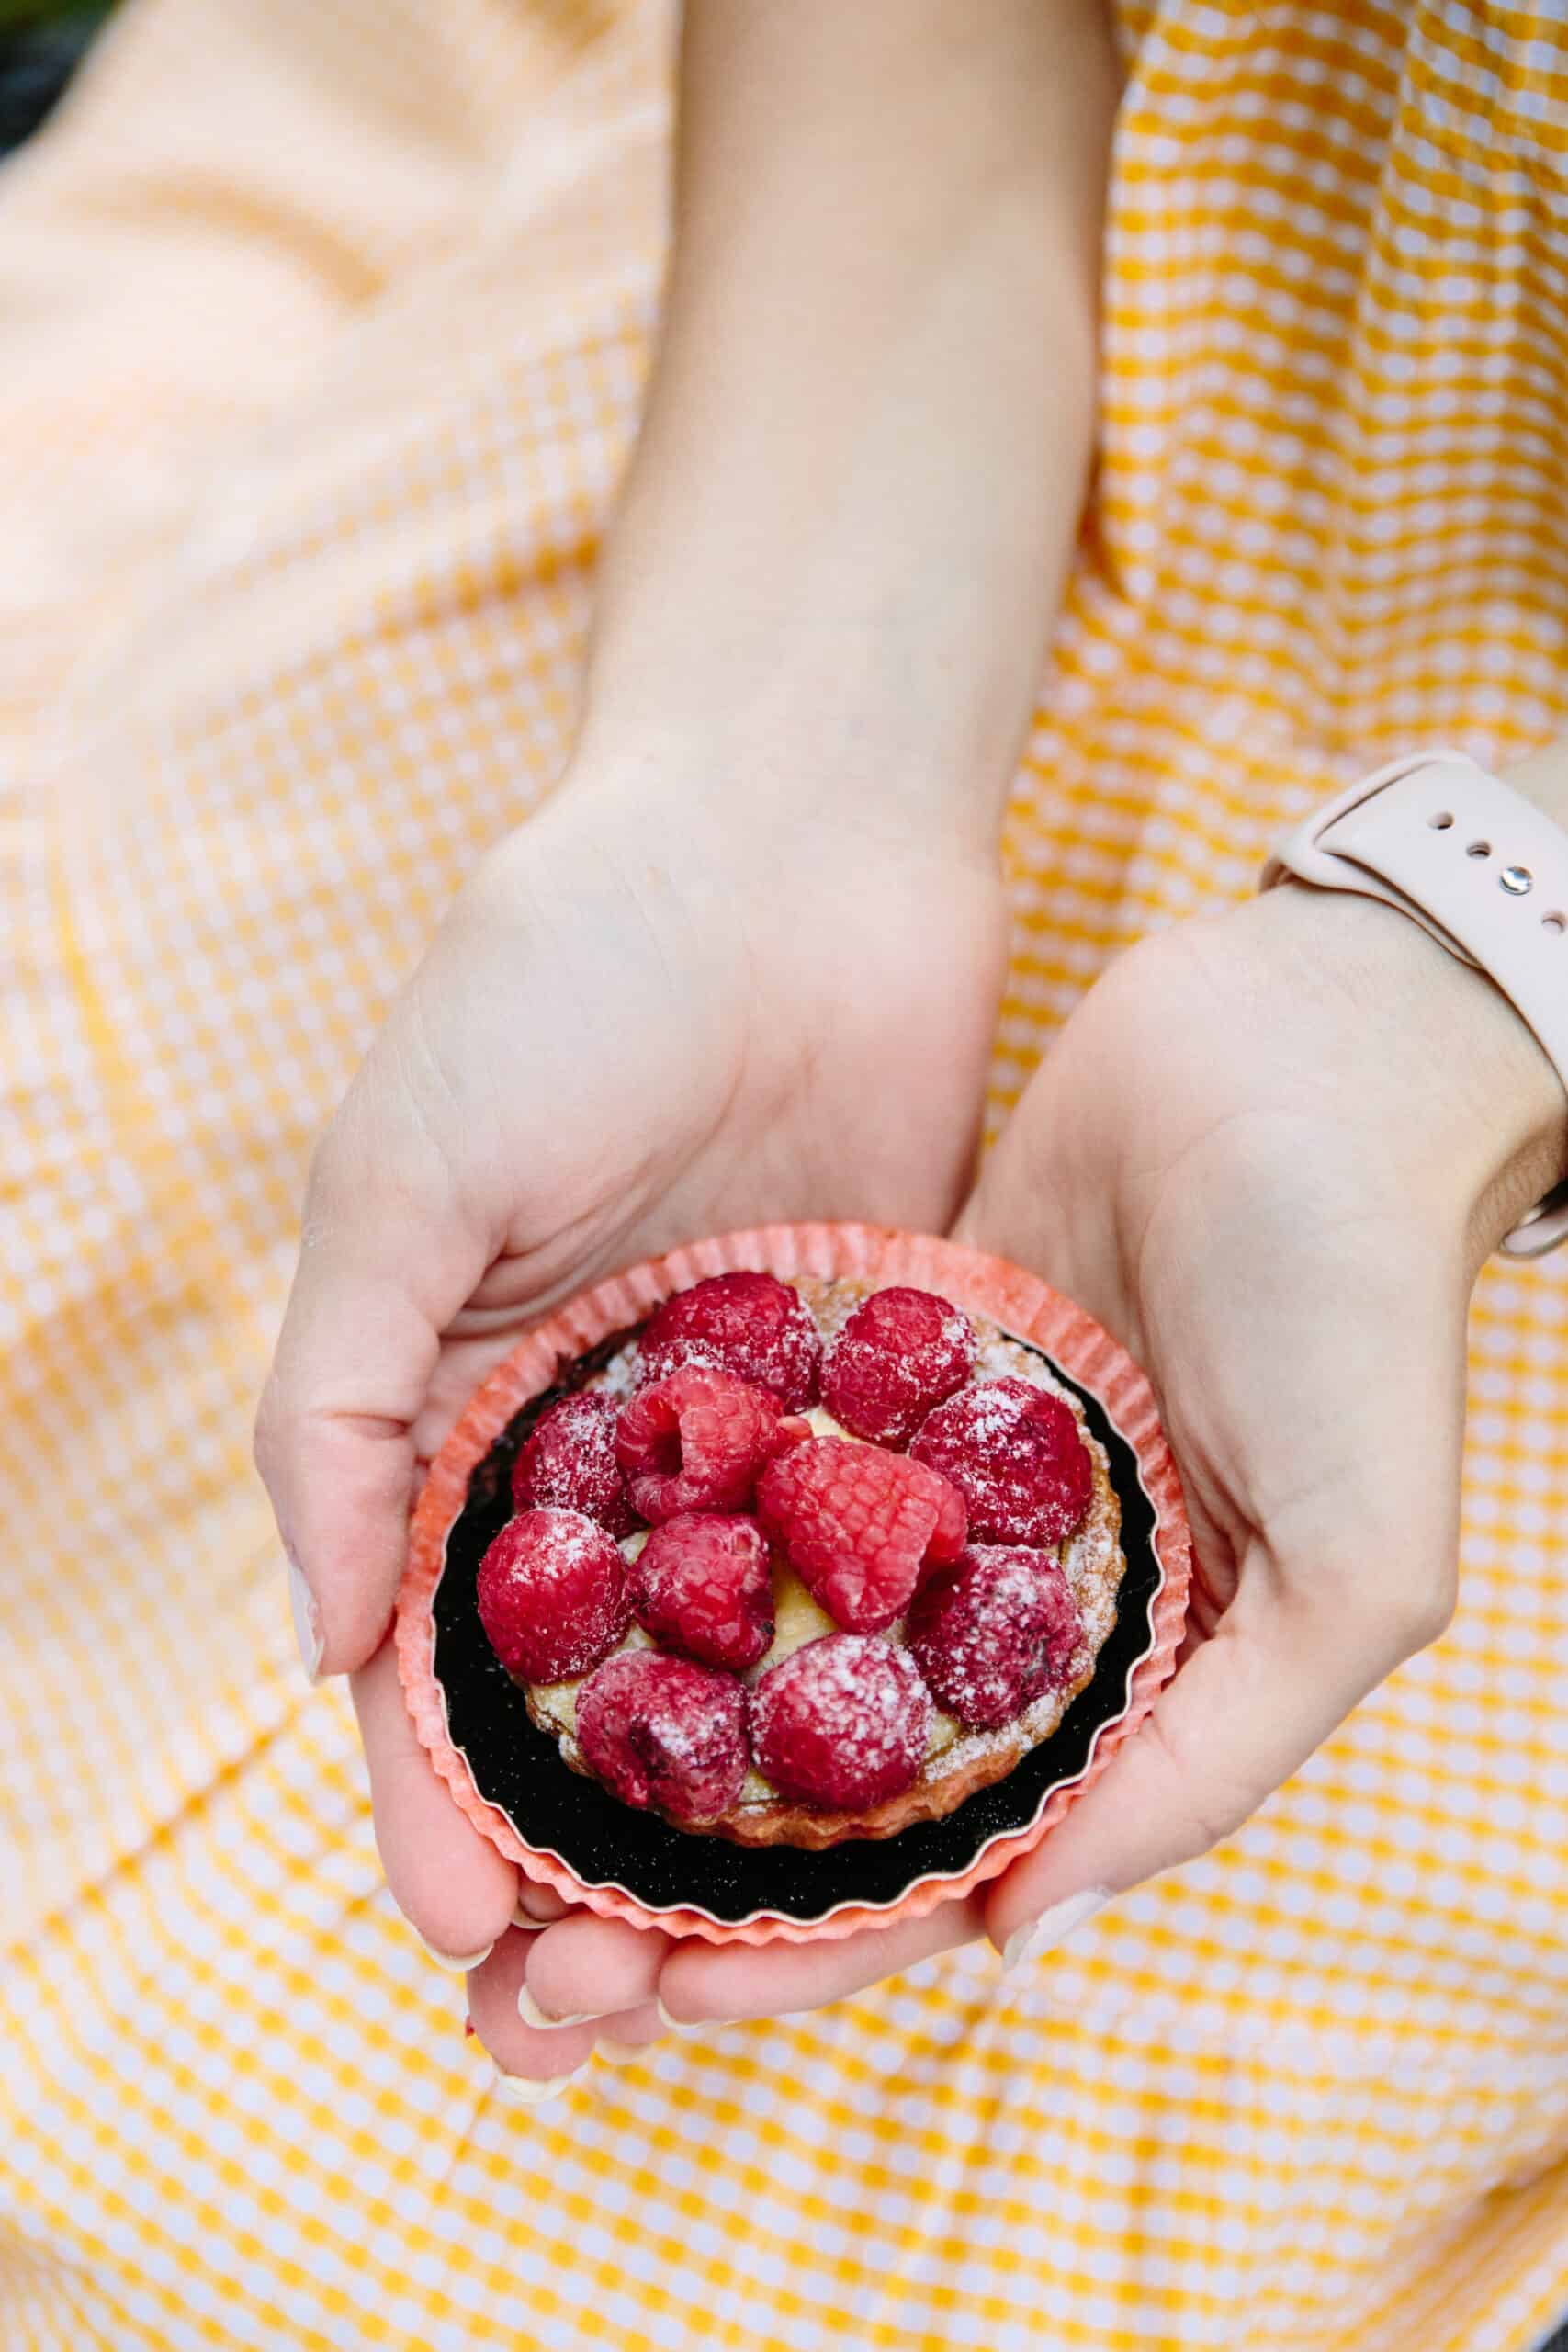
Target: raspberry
{"x": 992, "y": 1632}
{"x": 751, "y": 1325}
{"x": 662, "y": 1733}
{"x": 697, "y": 1440}
{"x": 900, "y": 1352}
{"x": 842, "y": 1721}
{"x": 703, "y": 1584}
{"x": 552, "y": 1595}
{"x": 570, "y": 1463}
{"x": 1015, "y": 1454}
{"x": 858, "y": 1526}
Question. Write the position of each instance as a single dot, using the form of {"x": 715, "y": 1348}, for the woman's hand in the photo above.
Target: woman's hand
{"x": 746, "y": 966}
{"x": 1271, "y": 1155}
{"x": 632, "y": 1028}
{"x": 1269, "y": 1152}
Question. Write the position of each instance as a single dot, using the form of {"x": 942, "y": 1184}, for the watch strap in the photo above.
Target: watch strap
{"x": 1479, "y": 867}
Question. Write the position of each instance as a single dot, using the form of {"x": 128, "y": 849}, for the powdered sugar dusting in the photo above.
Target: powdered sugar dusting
{"x": 858, "y": 1712}
{"x": 999, "y": 1358}
{"x": 957, "y": 1329}
{"x": 842, "y": 1722}
{"x": 993, "y": 1632}
{"x": 902, "y": 1351}
{"x": 619, "y": 1375}
{"x": 1014, "y": 1450}
{"x": 551, "y": 1593}
{"x": 991, "y": 1412}
{"x": 664, "y": 1733}
{"x": 1090, "y": 1559}
{"x": 574, "y": 1538}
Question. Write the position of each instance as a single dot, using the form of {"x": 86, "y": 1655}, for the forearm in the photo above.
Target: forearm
{"x": 844, "y": 534}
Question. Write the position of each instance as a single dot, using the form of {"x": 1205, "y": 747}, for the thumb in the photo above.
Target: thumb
{"x": 1288, "y": 1659}
{"x": 385, "y": 1262}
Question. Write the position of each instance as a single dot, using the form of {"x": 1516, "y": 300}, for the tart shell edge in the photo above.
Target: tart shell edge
{"x": 1019, "y": 1301}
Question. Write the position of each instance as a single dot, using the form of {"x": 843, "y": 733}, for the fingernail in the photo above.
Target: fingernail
{"x": 523, "y": 2092}
{"x": 616, "y": 2053}
{"x": 464, "y": 1960}
{"x": 536, "y": 1909}
{"x": 306, "y": 1621}
{"x": 530, "y": 2012}
{"x": 677, "y": 2025}
{"x": 1035, "y": 1936}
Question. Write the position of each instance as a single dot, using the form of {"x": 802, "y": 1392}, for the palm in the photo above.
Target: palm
{"x": 622, "y": 1039}
{"x": 681, "y": 1055}
{"x": 1207, "y": 1202}
{"x": 1218, "y": 1163}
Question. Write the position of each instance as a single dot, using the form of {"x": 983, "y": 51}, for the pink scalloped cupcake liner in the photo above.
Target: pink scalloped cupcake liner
{"x": 1020, "y": 1302}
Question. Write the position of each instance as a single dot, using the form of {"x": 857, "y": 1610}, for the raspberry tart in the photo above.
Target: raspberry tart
{"x": 812, "y": 1561}
{"x": 875, "y": 1533}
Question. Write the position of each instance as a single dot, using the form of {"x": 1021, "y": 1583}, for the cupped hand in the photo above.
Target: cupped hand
{"x": 655, "y": 1012}
{"x": 1268, "y": 1152}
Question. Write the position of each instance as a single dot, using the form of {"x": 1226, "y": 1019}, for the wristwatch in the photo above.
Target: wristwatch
{"x": 1482, "y": 869}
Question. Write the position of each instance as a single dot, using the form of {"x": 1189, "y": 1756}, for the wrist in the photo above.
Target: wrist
{"x": 793, "y": 765}
{"x": 1481, "y": 1114}
{"x": 734, "y": 847}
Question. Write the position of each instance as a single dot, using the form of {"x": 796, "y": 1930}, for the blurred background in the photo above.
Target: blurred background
{"x": 41, "y": 42}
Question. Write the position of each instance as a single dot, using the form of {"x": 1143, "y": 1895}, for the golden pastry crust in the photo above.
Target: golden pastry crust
{"x": 958, "y": 1761}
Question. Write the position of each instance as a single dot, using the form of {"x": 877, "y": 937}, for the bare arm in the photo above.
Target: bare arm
{"x": 861, "y": 473}
{"x": 673, "y": 1003}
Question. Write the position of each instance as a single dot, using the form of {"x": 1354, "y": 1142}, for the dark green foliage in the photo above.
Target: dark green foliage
{"x": 41, "y": 46}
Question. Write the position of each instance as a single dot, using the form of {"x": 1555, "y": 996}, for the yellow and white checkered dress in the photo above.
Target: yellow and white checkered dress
{"x": 321, "y": 327}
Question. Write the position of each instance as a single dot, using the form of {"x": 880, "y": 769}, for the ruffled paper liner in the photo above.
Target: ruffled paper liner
{"x": 1019, "y": 1302}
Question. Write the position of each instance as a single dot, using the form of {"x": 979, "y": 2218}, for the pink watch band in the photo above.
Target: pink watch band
{"x": 1478, "y": 867}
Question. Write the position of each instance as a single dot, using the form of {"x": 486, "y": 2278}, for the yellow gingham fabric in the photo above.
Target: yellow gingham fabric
{"x": 321, "y": 329}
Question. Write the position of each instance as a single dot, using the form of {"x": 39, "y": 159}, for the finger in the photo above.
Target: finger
{"x": 527, "y": 2056}
{"x": 458, "y": 1893}
{"x": 539, "y": 1906}
{"x": 728, "y": 1981}
{"x": 586, "y": 1966}
{"x": 1286, "y": 1663}
{"x": 464, "y": 1364}
{"x": 629, "y": 2031}
{"x": 385, "y": 1261}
